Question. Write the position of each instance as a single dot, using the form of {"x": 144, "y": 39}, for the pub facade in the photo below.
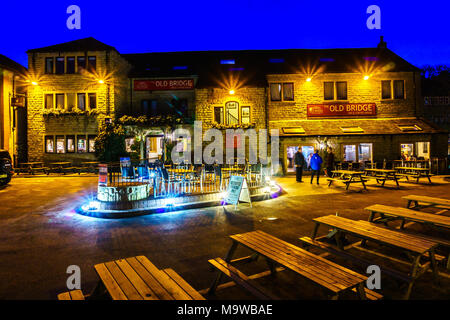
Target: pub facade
{"x": 364, "y": 103}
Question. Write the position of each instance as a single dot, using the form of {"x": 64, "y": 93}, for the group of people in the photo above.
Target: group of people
{"x": 315, "y": 163}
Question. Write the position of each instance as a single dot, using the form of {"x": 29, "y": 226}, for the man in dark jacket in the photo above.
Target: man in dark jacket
{"x": 315, "y": 163}
{"x": 330, "y": 161}
{"x": 299, "y": 161}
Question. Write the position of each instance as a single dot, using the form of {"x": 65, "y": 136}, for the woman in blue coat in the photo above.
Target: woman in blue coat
{"x": 315, "y": 164}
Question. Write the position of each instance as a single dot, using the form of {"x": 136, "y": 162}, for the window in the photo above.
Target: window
{"x": 92, "y": 98}
{"x": 71, "y": 103}
{"x": 386, "y": 89}
{"x": 92, "y": 63}
{"x": 218, "y": 115}
{"x": 350, "y": 153}
{"x": 49, "y": 144}
{"x": 288, "y": 91}
{"x": 365, "y": 152}
{"x": 282, "y": 90}
{"x": 60, "y": 100}
{"x": 48, "y": 65}
{"x": 49, "y": 101}
{"x": 149, "y": 107}
{"x": 59, "y": 65}
{"x": 81, "y": 97}
{"x": 328, "y": 91}
{"x": 81, "y": 63}
{"x": 275, "y": 91}
{"x": 70, "y": 65}
{"x": 341, "y": 90}
{"x": 128, "y": 143}
{"x": 70, "y": 144}
{"x": 232, "y": 112}
{"x": 406, "y": 150}
{"x": 81, "y": 144}
{"x": 399, "y": 89}
{"x": 91, "y": 144}
{"x": 245, "y": 115}
{"x": 60, "y": 144}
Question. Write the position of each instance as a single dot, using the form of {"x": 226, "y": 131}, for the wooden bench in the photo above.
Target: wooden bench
{"x": 388, "y": 213}
{"x": 241, "y": 279}
{"x": 332, "y": 277}
{"x": 71, "y": 295}
{"x": 426, "y": 202}
{"x": 415, "y": 247}
{"x": 136, "y": 278}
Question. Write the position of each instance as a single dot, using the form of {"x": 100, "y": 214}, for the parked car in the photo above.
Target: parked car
{"x": 6, "y": 169}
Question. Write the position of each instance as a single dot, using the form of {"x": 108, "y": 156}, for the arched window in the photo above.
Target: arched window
{"x": 232, "y": 112}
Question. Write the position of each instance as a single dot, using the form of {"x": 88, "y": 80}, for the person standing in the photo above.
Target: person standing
{"x": 330, "y": 162}
{"x": 315, "y": 164}
{"x": 299, "y": 161}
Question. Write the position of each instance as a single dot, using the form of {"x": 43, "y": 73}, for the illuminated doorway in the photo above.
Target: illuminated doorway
{"x": 307, "y": 151}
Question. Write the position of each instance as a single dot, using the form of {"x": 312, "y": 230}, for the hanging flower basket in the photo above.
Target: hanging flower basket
{"x": 63, "y": 113}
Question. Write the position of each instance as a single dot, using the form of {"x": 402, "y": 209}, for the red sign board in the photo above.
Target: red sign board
{"x": 163, "y": 84}
{"x": 341, "y": 109}
{"x": 102, "y": 175}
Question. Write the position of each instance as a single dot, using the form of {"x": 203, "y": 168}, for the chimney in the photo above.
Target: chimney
{"x": 382, "y": 44}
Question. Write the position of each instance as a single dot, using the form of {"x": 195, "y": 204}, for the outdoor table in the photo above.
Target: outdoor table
{"x": 388, "y": 213}
{"x": 347, "y": 177}
{"x": 30, "y": 167}
{"x": 324, "y": 273}
{"x": 426, "y": 202}
{"x": 382, "y": 175}
{"x": 415, "y": 247}
{"x": 415, "y": 173}
{"x": 59, "y": 165}
{"x": 90, "y": 165}
{"x": 136, "y": 278}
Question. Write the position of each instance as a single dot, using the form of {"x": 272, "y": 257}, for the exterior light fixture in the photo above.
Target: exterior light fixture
{"x": 101, "y": 81}
{"x": 366, "y": 77}
{"x": 308, "y": 79}
{"x": 34, "y": 83}
{"x": 231, "y": 91}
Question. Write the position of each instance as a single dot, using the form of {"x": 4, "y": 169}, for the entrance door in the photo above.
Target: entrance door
{"x": 307, "y": 150}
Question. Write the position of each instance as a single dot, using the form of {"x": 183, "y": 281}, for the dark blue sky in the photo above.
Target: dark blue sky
{"x": 419, "y": 31}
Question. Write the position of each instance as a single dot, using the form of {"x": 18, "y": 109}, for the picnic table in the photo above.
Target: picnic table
{"x": 329, "y": 275}
{"x": 59, "y": 166}
{"x": 347, "y": 177}
{"x": 414, "y": 172}
{"x": 415, "y": 247}
{"x": 90, "y": 166}
{"x": 31, "y": 167}
{"x": 136, "y": 278}
{"x": 381, "y": 175}
{"x": 425, "y": 202}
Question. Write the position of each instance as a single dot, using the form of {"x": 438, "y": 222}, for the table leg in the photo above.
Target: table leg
{"x": 434, "y": 266}
{"x": 396, "y": 181}
{"x": 362, "y": 181}
{"x": 316, "y": 228}
{"x": 372, "y": 216}
{"x": 219, "y": 276}
{"x": 361, "y": 291}
{"x": 414, "y": 270}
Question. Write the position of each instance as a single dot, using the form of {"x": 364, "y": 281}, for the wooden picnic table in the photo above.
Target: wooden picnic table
{"x": 415, "y": 172}
{"x": 381, "y": 175}
{"x": 347, "y": 177}
{"x": 59, "y": 166}
{"x": 31, "y": 167}
{"x": 327, "y": 274}
{"x": 417, "y": 248}
{"x": 388, "y": 213}
{"x": 425, "y": 202}
{"x": 136, "y": 278}
{"x": 90, "y": 165}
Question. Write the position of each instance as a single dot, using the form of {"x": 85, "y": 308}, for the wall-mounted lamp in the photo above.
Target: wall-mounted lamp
{"x": 231, "y": 91}
{"x": 366, "y": 77}
{"x": 101, "y": 81}
{"x": 308, "y": 79}
{"x": 34, "y": 83}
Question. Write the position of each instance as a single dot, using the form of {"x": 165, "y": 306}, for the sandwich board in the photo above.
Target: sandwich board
{"x": 237, "y": 191}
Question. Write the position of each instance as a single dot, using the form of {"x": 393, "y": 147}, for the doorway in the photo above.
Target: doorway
{"x": 307, "y": 151}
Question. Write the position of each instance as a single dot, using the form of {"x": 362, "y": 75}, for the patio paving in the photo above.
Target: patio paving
{"x": 41, "y": 235}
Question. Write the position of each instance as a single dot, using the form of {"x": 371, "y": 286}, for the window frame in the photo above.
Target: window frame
{"x": 56, "y": 101}
{"x": 46, "y": 138}
{"x": 393, "y": 89}
{"x": 89, "y": 138}
{"x": 67, "y": 65}
{"x": 89, "y": 94}
{"x": 45, "y": 101}
{"x": 78, "y": 100}
{"x": 89, "y": 66}
{"x": 281, "y": 91}
{"x": 81, "y": 68}
{"x": 221, "y": 113}
{"x": 336, "y": 90}
{"x": 63, "y": 60}
{"x": 52, "y": 59}
{"x": 74, "y": 143}
{"x": 390, "y": 89}
{"x": 79, "y": 137}
{"x": 332, "y": 90}
{"x": 249, "y": 115}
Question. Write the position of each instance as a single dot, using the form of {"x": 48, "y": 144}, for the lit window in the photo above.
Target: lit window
{"x": 60, "y": 144}
{"x": 49, "y": 144}
{"x": 60, "y": 101}
{"x": 81, "y": 97}
{"x": 91, "y": 144}
{"x": 49, "y": 101}
{"x": 232, "y": 112}
{"x": 245, "y": 115}
{"x": 288, "y": 91}
{"x": 71, "y": 101}
{"x": 81, "y": 144}
{"x": 70, "y": 144}
{"x": 275, "y": 91}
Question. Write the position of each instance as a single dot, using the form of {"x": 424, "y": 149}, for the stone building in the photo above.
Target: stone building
{"x": 12, "y": 109}
{"x": 73, "y": 88}
{"x": 365, "y": 103}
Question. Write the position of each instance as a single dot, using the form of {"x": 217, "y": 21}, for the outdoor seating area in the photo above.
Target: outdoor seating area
{"x": 409, "y": 255}
{"x": 60, "y": 167}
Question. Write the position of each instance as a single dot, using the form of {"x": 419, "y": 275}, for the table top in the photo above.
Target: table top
{"x": 90, "y": 162}
{"x": 349, "y": 172}
{"x": 60, "y": 163}
{"x": 298, "y": 260}
{"x": 136, "y": 278}
{"x": 412, "y": 215}
{"x": 31, "y": 163}
{"x": 412, "y": 168}
{"x": 381, "y": 170}
{"x": 368, "y": 230}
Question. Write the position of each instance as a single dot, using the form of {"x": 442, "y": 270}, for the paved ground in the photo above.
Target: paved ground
{"x": 41, "y": 235}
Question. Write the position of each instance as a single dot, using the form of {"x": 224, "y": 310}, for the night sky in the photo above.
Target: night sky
{"x": 419, "y": 31}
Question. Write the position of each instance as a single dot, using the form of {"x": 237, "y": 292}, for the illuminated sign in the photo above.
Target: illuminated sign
{"x": 341, "y": 110}
{"x": 163, "y": 84}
